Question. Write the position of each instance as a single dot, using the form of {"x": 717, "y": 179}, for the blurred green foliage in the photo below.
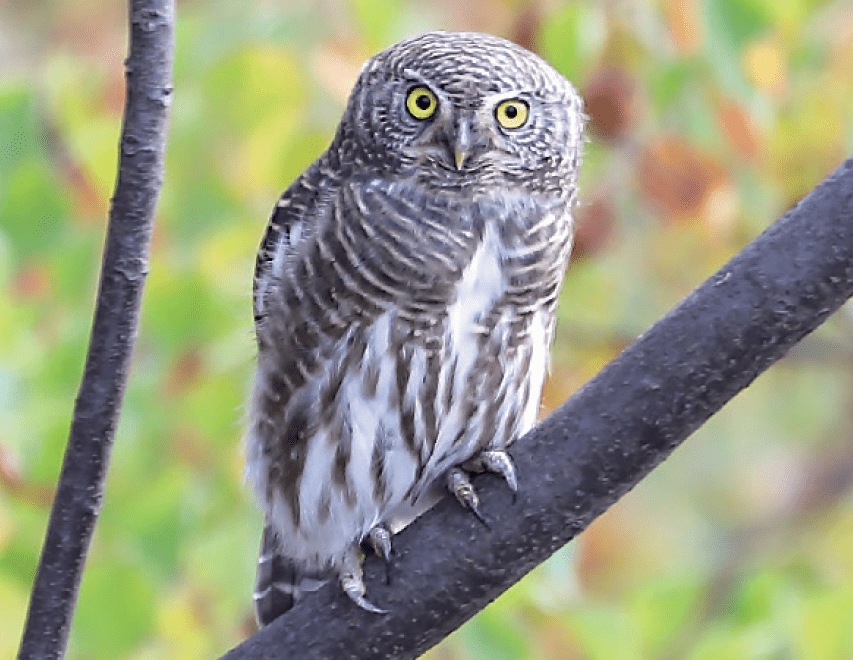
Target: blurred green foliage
{"x": 708, "y": 119}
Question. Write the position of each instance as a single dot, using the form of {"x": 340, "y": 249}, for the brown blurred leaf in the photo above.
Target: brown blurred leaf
{"x": 555, "y": 641}
{"x": 89, "y": 204}
{"x": 477, "y": 15}
{"x": 594, "y": 228}
{"x": 525, "y": 32}
{"x": 679, "y": 179}
{"x": 185, "y": 372}
{"x": 600, "y": 549}
{"x": 739, "y": 128}
{"x": 192, "y": 449}
{"x": 32, "y": 281}
{"x": 114, "y": 89}
{"x": 559, "y": 386}
{"x": 18, "y": 487}
{"x": 610, "y": 99}
{"x": 827, "y": 478}
{"x": 682, "y": 18}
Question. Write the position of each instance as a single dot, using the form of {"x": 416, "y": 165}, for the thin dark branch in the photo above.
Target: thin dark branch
{"x": 96, "y": 411}
{"x": 595, "y": 447}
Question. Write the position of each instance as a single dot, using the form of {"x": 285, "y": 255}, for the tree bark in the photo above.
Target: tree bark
{"x": 81, "y": 482}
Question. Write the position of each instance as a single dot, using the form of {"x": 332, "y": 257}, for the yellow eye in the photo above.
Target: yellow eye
{"x": 421, "y": 103}
{"x": 512, "y": 113}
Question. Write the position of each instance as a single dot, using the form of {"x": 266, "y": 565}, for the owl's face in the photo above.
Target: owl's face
{"x": 465, "y": 111}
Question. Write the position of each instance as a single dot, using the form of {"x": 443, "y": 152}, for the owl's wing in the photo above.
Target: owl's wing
{"x": 291, "y": 212}
{"x": 331, "y": 264}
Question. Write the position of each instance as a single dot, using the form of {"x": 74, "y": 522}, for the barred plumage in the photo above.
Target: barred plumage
{"x": 405, "y": 296}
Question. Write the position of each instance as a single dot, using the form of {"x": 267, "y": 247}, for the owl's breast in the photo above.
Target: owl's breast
{"x": 405, "y": 333}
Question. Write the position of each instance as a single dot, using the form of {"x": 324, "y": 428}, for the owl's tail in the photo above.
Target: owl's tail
{"x": 279, "y": 583}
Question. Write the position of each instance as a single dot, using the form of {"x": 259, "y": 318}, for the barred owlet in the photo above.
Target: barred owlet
{"x": 404, "y": 301}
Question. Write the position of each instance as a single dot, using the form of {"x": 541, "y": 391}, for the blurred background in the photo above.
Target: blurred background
{"x": 708, "y": 119}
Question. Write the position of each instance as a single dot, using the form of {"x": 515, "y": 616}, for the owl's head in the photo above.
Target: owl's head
{"x": 465, "y": 111}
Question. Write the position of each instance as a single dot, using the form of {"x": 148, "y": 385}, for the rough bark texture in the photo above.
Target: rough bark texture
{"x": 96, "y": 411}
{"x": 595, "y": 447}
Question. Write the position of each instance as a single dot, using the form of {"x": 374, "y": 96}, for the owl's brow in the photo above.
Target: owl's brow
{"x": 415, "y": 76}
{"x": 495, "y": 97}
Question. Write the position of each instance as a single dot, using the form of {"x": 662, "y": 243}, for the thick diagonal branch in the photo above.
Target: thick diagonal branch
{"x": 595, "y": 447}
{"x": 80, "y": 490}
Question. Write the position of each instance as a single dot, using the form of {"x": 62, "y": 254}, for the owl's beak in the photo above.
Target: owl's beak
{"x": 462, "y": 142}
{"x": 459, "y": 157}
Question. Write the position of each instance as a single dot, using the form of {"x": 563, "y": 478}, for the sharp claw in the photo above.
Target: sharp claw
{"x": 352, "y": 582}
{"x": 498, "y": 462}
{"x": 380, "y": 541}
{"x": 365, "y": 604}
{"x": 460, "y": 485}
{"x": 352, "y": 590}
{"x": 475, "y": 509}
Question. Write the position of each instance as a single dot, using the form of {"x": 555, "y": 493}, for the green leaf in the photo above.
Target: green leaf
{"x": 377, "y": 18}
{"x": 604, "y": 633}
{"x": 32, "y": 207}
{"x": 19, "y": 133}
{"x": 179, "y": 311}
{"x": 825, "y": 630}
{"x": 115, "y": 611}
{"x": 663, "y": 609}
{"x": 731, "y": 25}
{"x": 13, "y": 604}
{"x": 492, "y": 635}
{"x": 573, "y": 38}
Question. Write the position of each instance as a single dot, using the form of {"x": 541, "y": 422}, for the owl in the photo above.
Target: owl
{"x": 404, "y": 303}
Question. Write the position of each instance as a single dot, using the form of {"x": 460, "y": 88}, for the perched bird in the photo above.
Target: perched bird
{"x": 404, "y": 301}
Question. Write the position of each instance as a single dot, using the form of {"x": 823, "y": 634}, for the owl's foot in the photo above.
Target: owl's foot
{"x": 380, "y": 540}
{"x": 352, "y": 581}
{"x": 496, "y": 461}
{"x": 459, "y": 484}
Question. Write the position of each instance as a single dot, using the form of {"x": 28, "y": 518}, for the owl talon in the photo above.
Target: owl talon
{"x": 496, "y": 461}
{"x": 460, "y": 485}
{"x": 475, "y": 509}
{"x": 352, "y": 589}
{"x": 352, "y": 582}
{"x": 380, "y": 540}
